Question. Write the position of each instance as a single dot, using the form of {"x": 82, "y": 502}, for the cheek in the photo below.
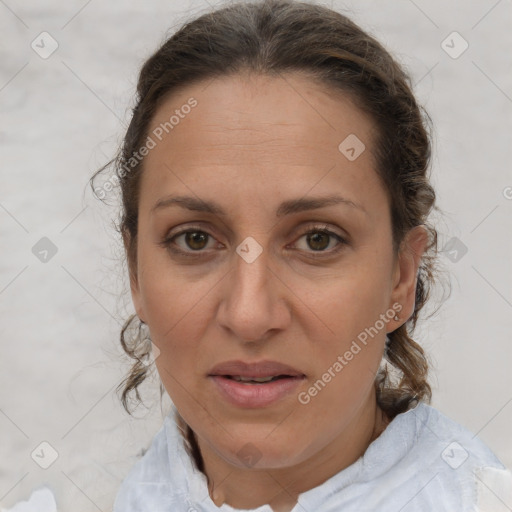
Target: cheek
{"x": 177, "y": 332}
{"x": 351, "y": 302}
{"x": 177, "y": 308}
{"x": 176, "y": 315}
{"x": 172, "y": 297}
{"x": 349, "y": 340}
{"x": 346, "y": 357}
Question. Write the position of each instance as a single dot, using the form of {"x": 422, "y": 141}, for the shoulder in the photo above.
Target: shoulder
{"x": 449, "y": 464}
{"x": 147, "y": 482}
{"x": 454, "y": 444}
{"x": 164, "y": 478}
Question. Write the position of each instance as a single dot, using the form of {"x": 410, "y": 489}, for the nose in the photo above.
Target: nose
{"x": 253, "y": 302}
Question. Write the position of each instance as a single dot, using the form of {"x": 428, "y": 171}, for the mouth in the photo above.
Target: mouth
{"x": 252, "y": 385}
{"x": 255, "y": 392}
{"x": 256, "y": 380}
{"x": 254, "y": 370}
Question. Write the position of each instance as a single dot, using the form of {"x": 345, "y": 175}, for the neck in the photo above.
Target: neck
{"x": 250, "y": 488}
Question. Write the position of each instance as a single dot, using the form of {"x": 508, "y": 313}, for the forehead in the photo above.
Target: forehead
{"x": 259, "y": 133}
{"x": 261, "y": 108}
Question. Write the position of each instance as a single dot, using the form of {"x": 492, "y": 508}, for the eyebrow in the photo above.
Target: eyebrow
{"x": 288, "y": 207}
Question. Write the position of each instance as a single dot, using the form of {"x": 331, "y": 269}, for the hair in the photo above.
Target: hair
{"x": 273, "y": 37}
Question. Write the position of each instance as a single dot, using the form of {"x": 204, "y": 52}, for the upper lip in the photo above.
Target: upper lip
{"x": 259, "y": 369}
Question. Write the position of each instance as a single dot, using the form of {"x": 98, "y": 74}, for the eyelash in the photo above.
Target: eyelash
{"x": 169, "y": 241}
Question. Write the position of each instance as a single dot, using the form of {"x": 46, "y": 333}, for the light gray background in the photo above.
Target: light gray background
{"x": 62, "y": 117}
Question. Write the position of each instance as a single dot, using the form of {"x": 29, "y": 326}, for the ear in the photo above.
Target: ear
{"x": 406, "y": 273}
{"x": 133, "y": 273}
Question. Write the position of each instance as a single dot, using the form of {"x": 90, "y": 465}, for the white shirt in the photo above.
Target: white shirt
{"x": 422, "y": 462}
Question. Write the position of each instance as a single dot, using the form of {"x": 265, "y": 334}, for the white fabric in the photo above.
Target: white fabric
{"x": 41, "y": 500}
{"x": 494, "y": 490}
{"x": 422, "y": 462}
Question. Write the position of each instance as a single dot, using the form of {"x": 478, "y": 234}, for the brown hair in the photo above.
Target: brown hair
{"x": 274, "y": 36}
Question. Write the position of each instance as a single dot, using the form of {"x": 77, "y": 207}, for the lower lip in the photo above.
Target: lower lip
{"x": 255, "y": 395}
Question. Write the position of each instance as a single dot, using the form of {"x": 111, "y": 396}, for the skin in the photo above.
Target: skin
{"x": 249, "y": 144}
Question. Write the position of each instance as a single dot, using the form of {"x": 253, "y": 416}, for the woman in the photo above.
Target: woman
{"x": 275, "y": 220}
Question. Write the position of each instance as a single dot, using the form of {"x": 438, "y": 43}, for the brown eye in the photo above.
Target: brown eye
{"x": 322, "y": 241}
{"x": 196, "y": 240}
{"x": 318, "y": 241}
{"x": 191, "y": 242}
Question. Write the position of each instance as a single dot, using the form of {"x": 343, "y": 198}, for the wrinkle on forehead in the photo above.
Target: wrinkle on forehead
{"x": 269, "y": 135}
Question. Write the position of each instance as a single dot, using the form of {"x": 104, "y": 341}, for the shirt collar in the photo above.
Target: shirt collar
{"x": 381, "y": 455}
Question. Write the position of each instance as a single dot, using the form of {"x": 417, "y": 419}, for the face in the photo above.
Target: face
{"x": 272, "y": 271}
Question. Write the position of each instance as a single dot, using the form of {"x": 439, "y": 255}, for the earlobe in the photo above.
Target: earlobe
{"x": 406, "y": 271}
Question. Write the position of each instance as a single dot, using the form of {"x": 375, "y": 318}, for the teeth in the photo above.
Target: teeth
{"x": 252, "y": 379}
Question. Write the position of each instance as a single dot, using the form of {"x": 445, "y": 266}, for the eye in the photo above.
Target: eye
{"x": 193, "y": 240}
{"x": 319, "y": 239}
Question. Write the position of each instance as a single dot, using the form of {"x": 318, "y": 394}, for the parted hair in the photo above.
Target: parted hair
{"x": 273, "y": 37}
